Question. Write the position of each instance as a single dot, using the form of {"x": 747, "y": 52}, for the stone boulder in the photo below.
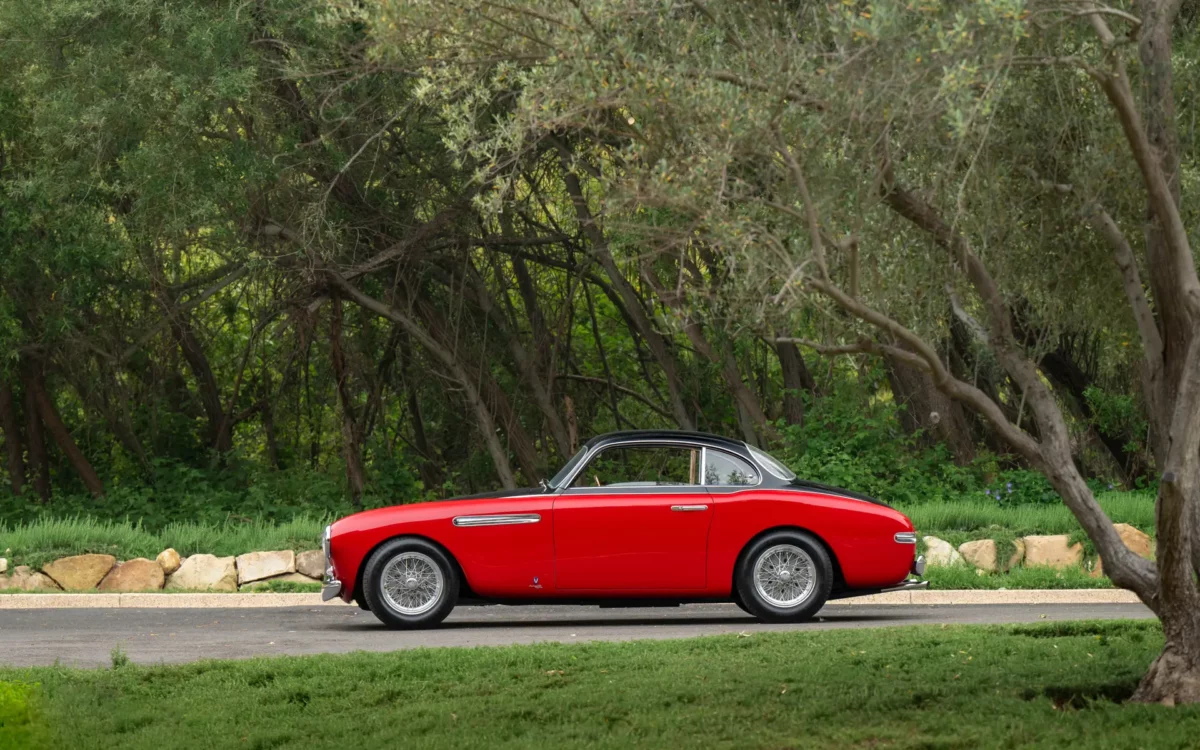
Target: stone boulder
{"x": 3, "y": 565}
{"x": 25, "y": 578}
{"x": 80, "y": 572}
{"x": 311, "y": 563}
{"x": 982, "y": 554}
{"x": 138, "y": 574}
{"x": 204, "y": 573}
{"x": 1138, "y": 542}
{"x": 169, "y": 561}
{"x": 256, "y": 566}
{"x": 1054, "y": 551}
{"x": 940, "y": 553}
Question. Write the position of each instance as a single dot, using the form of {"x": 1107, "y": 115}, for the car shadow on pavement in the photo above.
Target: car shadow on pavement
{"x": 514, "y": 623}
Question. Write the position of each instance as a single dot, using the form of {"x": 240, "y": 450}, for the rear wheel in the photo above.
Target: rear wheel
{"x": 785, "y": 576}
{"x": 410, "y": 583}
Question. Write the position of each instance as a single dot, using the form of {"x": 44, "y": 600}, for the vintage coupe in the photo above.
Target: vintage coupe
{"x": 634, "y": 519}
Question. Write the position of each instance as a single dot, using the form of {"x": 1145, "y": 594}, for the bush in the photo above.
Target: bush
{"x": 869, "y": 451}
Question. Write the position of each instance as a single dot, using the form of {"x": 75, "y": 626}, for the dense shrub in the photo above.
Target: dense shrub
{"x": 845, "y": 445}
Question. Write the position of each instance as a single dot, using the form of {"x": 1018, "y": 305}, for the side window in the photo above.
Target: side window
{"x": 641, "y": 466}
{"x": 726, "y": 470}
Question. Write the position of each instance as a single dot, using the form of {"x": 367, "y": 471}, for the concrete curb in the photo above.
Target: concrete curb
{"x": 200, "y": 600}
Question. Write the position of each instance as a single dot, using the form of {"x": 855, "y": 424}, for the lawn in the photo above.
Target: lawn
{"x": 1053, "y": 686}
{"x": 46, "y": 539}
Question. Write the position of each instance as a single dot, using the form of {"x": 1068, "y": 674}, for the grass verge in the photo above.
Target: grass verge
{"x": 1046, "y": 686}
{"x": 957, "y": 577}
{"x": 1133, "y": 508}
{"x": 41, "y": 541}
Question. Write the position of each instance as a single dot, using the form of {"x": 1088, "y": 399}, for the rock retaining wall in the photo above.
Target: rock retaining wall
{"x": 1054, "y": 551}
{"x": 168, "y": 571}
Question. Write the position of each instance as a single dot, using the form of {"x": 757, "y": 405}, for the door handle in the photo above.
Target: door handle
{"x": 689, "y": 508}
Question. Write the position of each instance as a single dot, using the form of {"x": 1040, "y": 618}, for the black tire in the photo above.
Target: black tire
{"x": 810, "y": 600}
{"x": 419, "y": 553}
{"x": 737, "y": 599}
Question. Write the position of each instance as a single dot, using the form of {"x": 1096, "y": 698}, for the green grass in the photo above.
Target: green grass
{"x": 282, "y": 587}
{"x": 958, "y": 577}
{"x": 1050, "y": 686}
{"x": 43, "y": 540}
{"x": 1133, "y": 508}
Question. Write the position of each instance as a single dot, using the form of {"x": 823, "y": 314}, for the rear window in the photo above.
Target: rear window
{"x": 771, "y": 464}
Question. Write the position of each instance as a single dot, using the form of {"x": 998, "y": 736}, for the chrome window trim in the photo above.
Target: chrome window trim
{"x": 498, "y": 519}
{"x": 651, "y": 441}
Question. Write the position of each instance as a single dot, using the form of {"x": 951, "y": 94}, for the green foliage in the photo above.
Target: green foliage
{"x": 46, "y": 539}
{"x": 1021, "y": 487}
{"x": 845, "y": 445}
{"x": 978, "y": 515}
{"x": 958, "y": 577}
{"x": 22, "y": 726}
{"x": 1036, "y": 686}
{"x": 118, "y": 657}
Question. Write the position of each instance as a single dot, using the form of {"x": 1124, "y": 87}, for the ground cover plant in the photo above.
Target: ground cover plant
{"x": 1051, "y": 686}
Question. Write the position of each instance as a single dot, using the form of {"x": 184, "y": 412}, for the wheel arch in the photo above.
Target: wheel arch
{"x": 839, "y": 581}
{"x": 464, "y": 587}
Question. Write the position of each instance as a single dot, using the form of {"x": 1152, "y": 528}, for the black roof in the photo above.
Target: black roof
{"x": 687, "y": 435}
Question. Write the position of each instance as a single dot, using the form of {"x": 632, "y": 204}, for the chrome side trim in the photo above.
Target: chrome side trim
{"x": 689, "y": 508}
{"x": 906, "y": 537}
{"x": 507, "y": 519}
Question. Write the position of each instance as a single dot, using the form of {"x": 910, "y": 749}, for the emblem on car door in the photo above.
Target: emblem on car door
{"x": 535, "y": 584}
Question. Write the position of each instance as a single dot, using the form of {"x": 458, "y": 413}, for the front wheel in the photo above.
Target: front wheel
{"x": 786, "y": 576}
{"x": 410, "y": 583}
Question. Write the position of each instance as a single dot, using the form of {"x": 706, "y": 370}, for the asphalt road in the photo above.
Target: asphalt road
{"x": 86, "y": 637}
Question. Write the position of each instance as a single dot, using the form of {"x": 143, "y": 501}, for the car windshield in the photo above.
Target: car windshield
{"x": 558, "y": 479}
{"x": 771, "y": 464}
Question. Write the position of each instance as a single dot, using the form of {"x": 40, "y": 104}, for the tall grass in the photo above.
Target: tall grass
{"x": 46, "y": 539}
{"x": 1133, "y": 508}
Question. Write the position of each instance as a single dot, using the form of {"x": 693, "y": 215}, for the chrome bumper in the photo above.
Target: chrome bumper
{"x": 332, "y": 586}
{"x": 918, "y": 566}
{"x": 330, "y": 590}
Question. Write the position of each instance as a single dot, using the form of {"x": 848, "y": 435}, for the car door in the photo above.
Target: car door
{"x": 635, "y": 519}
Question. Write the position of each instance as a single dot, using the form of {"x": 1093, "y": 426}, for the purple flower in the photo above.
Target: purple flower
{"x": 988, "y": 493}
{"x": 1110, "y": 486}
{"x": 1009, "y": 486}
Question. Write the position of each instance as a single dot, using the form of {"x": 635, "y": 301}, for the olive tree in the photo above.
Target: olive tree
{"x": 891, "y": 166}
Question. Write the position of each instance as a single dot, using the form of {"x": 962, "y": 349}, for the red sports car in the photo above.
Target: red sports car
{"x": 634, "y": 519}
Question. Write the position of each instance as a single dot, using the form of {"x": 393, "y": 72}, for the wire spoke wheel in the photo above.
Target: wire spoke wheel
{"x": 785, "y": 576}
{"x": 412, "y": 583}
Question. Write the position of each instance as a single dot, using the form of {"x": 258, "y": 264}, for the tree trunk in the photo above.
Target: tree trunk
{"x": 58, "y": 430}
{"x": 526, "y": 366}
{"x": 35, "y": 437}
{"x": 351, "y": 444}
{"x": 796, "y": 379}
{"x": 632, "y": 303}
{"x": 12, "y": 438}
{"x": 927, "y": 409}
{"x": 483, "y": 416}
